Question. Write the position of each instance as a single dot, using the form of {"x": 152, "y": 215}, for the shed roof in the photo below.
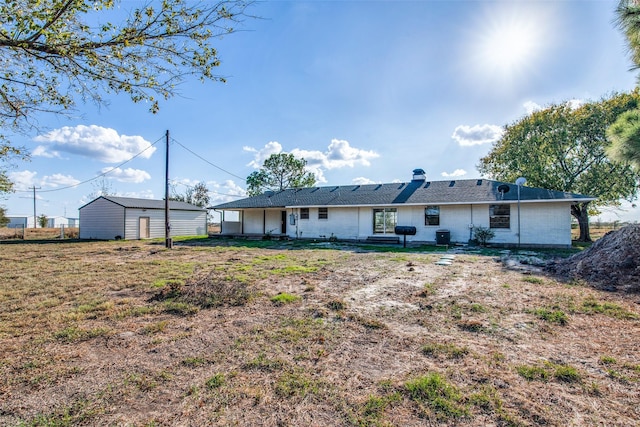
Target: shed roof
{"x": 416, "y": 192}
{"x": 135, "y": 203}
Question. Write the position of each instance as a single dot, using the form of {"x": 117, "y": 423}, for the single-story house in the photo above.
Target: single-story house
{"x": 441, "y": 212}
{"x": 110, "y": 217}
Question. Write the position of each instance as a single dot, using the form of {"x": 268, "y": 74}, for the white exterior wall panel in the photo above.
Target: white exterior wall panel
{"x": 365, "y": 222}
{"x": 183, "y": 223}
{"x": 273, "y": 221}
{"x": 252, "y": 221}
{"x": 544, "y": 222}
{"x": 341, "y": 222}
{"x": 188, "y": 223}
{"x": 101, "y": 219}
{"x": 132, "y": 223}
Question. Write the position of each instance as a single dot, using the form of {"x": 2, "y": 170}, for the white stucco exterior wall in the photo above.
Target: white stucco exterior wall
{"x": 541, "y": 223}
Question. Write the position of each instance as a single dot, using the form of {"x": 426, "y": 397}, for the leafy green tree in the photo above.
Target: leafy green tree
{"x": 43, "y": 220}
{"x": 7, "y": 155}
{"x": 197, "y": 195}
{"x": 628, "y": 20}
{"x": 563, "y": 148}
{"x": 279, "y": 172}
{"x": 200, "y": 195}
{"x": 54, "y": 52}
{"x": 624, "y": 135}
{"x": 3, "y": 217}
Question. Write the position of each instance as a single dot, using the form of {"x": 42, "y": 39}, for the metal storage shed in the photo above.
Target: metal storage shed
{"x": 110, "y": 217}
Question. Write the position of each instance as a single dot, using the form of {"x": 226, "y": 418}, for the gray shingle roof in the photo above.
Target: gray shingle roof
{"x": 411, "y": 193}
{"x": 134, "y": 203}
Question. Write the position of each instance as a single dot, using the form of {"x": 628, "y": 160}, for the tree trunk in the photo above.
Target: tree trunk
{"x": 581, "y": 213}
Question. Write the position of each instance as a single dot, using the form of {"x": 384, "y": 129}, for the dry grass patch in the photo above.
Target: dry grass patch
{"x": 277, "y": 333}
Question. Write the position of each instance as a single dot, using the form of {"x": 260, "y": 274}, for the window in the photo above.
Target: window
{"x": 304, "y": 213}
{"x": 499, "y": 216}
{"x": 323, "y": 213}
{"x": 432, "y": 215}
{"x": 384, "y": 220}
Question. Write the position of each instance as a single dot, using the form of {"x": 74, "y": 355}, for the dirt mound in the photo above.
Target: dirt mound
{"x": 612, "y": 263}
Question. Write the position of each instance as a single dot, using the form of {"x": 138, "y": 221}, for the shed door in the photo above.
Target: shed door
{"x": 143, "y": 227}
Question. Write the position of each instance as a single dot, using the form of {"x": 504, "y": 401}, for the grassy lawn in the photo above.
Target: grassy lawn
{"x": 223, "y": 333}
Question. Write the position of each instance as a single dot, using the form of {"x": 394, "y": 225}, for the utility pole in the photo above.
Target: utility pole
{"x": 168, "y": 243}
{"x": 35, "y": 218}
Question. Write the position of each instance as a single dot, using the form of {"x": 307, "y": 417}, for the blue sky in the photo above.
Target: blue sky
{"x": 365, "y": 91}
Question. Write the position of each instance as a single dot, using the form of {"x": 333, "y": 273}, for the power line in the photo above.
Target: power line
{"x": 207, "y": 161}
{"x": 97, "y": 176}
{"x": 174, "y": 182}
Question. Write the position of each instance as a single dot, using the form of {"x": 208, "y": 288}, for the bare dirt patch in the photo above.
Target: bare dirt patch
{"x": 129, "y": 333}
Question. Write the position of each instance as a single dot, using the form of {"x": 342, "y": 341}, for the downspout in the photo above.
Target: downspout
{"x": 264, "y": 221}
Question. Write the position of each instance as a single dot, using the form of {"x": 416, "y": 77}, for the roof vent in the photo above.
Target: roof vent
{"x": 452, "y": 183}
{"x": 419, "y": 175}
{"x": 269, "y": 193}
{"x": 479, "y": 182}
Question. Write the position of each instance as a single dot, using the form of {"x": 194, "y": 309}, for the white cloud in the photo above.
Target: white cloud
{"x": 225, "y": 191}
{"x": 24, "y": 179}
{"x": 144, "y": 194}
{"x": 362, "y": 181}
{"x": 455, "y": 173}
{"x": 41, "y": 151}
{"x": 531, "y": 107}
{"x": 339, "y": 154}
{"x": 103, "y": 144}
{"x": 261, "y": 155}
{"x": 59, "y": 180}
{"x": 468, "y": 136}
{"x": 127, "y": 175}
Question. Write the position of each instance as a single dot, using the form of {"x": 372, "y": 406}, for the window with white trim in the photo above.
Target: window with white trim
{"x": 323, "y": 213}
{"x": 385, "y": 220}
{"x": 304, "y": 213}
